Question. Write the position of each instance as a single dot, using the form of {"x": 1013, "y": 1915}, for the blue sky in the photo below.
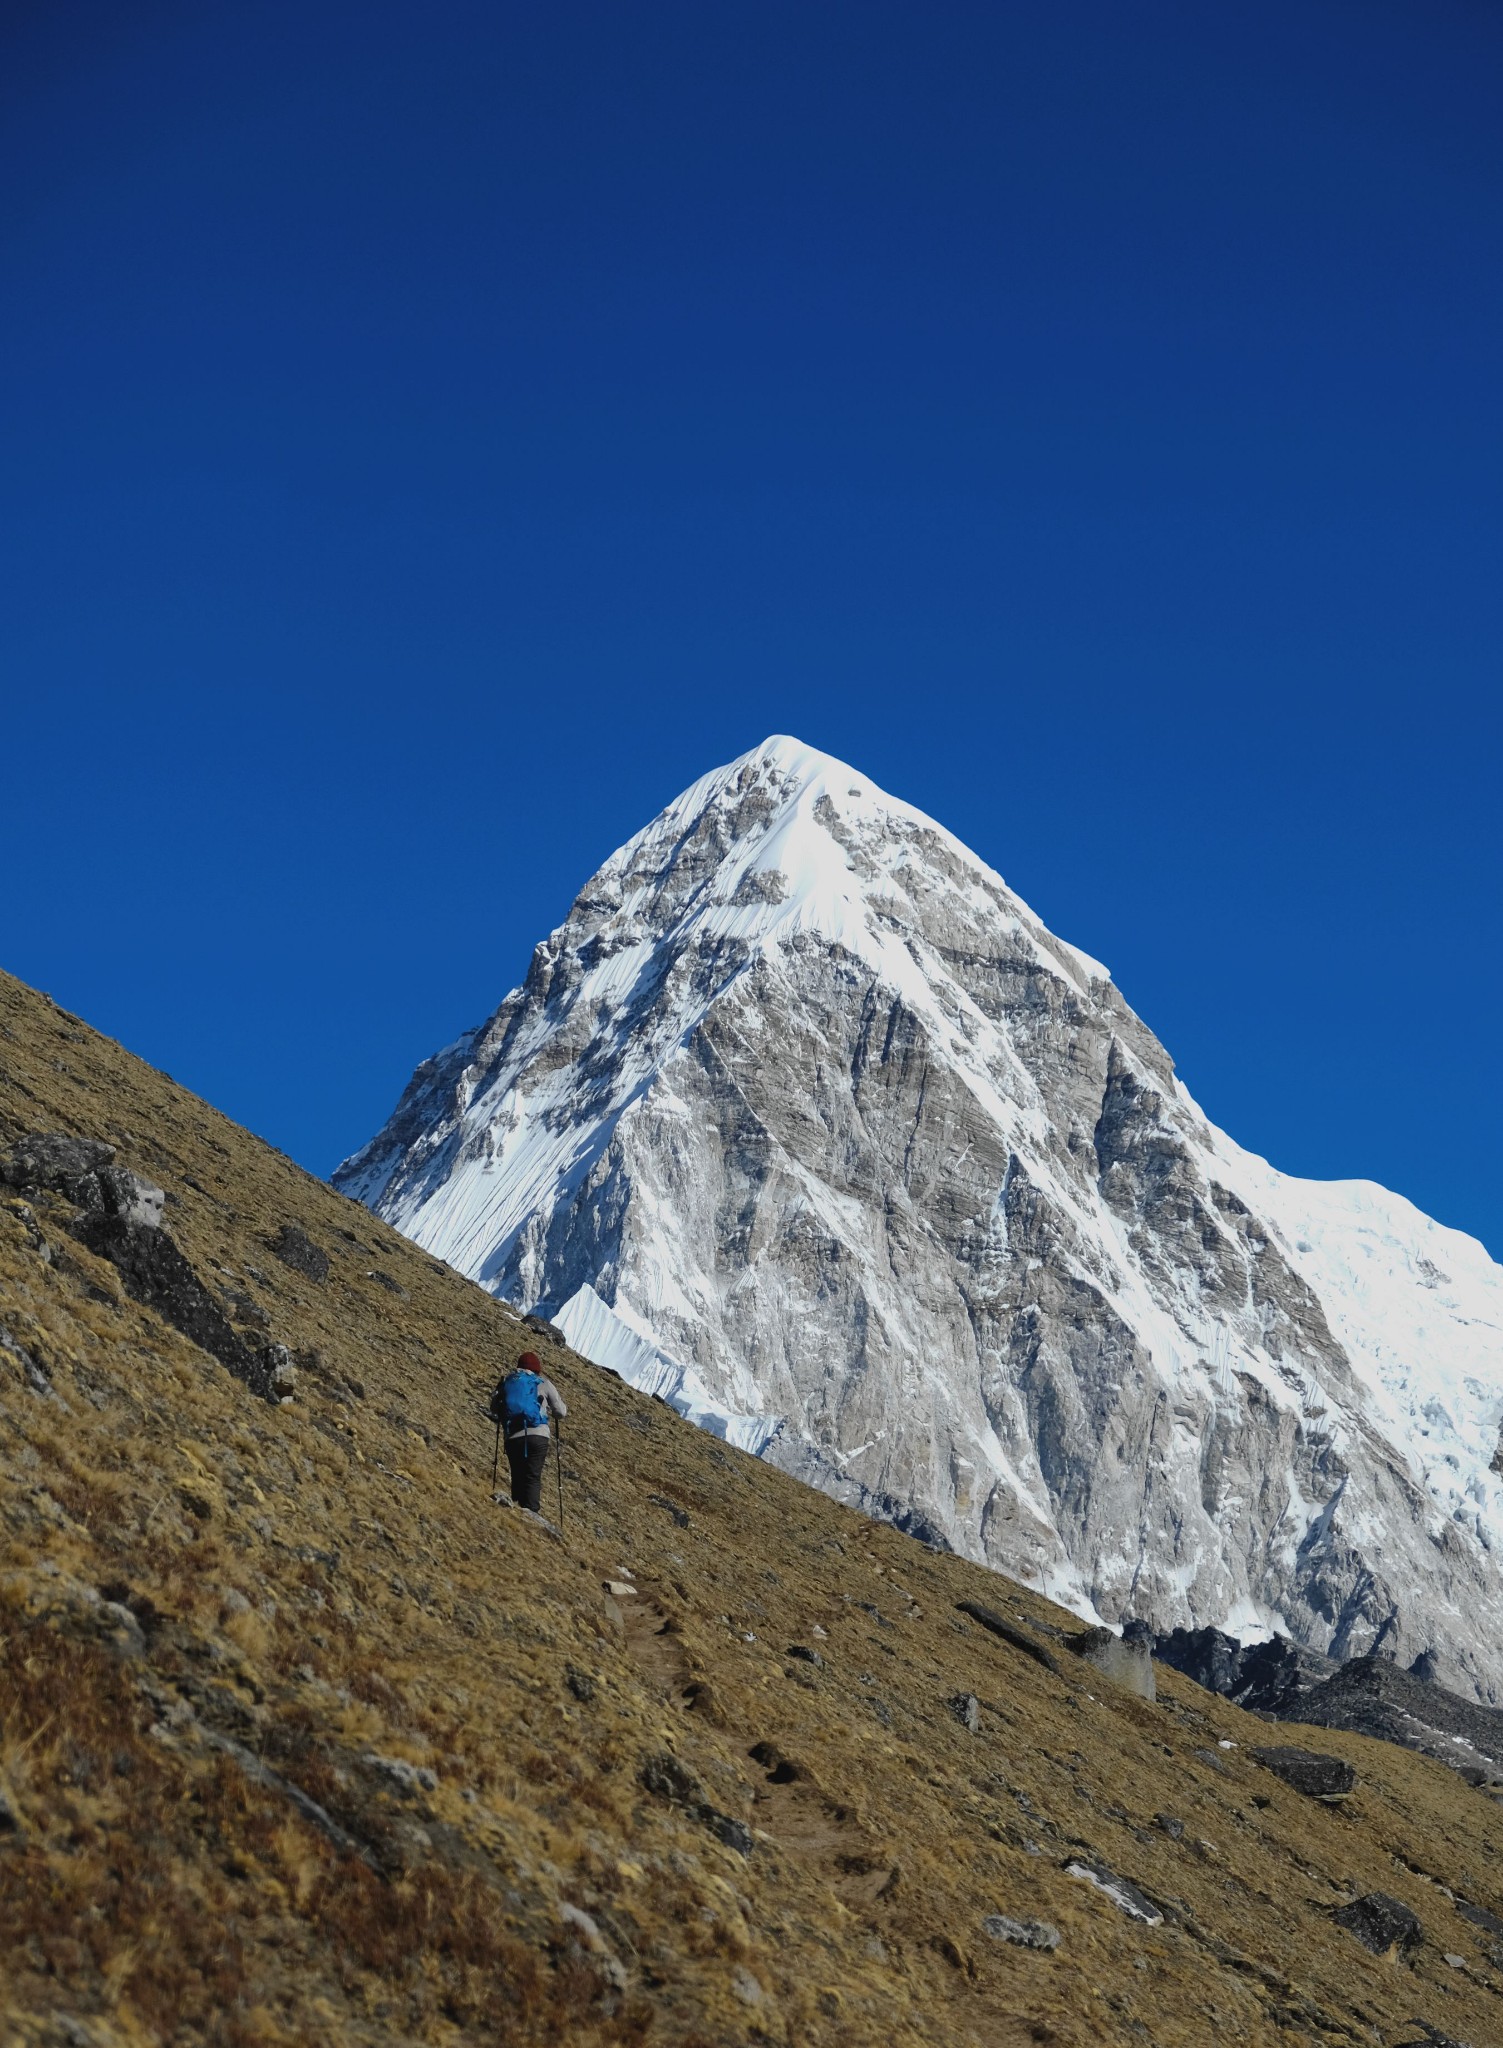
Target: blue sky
{"x": 431, "y": 436}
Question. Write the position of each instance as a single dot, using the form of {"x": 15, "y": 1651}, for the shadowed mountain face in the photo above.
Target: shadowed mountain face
{"x": 803, "y": 1120}
{"x": 304, "y": 1739}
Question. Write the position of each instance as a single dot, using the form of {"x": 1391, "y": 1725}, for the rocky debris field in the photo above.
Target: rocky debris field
{"x": 305, "y": 1737}
{"x": 1369, "y": 1695}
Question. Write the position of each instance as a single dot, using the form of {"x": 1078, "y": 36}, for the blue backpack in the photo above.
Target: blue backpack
{"x": 518, "y": 1402}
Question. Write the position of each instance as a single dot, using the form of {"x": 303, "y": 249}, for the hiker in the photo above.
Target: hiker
{"x": 520, "y": 1407}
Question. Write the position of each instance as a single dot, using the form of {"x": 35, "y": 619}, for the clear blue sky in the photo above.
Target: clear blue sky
{"x": 432, "y": 435}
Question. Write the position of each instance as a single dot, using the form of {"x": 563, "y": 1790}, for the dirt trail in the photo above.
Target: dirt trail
{"x": 787, "y": 1805}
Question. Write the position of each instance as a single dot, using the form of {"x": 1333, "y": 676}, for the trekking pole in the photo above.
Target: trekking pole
{"x": 559, "y": 1469}
{"x": 496, "y": 1461}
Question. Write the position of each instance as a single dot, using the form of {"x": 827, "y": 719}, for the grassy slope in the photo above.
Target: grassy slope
{"x": 326, "y": 1583}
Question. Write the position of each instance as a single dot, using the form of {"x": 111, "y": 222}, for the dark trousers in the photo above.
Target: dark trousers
{"x": 527, "y": 1455}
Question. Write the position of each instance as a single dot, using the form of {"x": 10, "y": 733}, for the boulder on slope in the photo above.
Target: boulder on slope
{"x": 1381, "y": 1923}
{"x": 1307, "y": 1771}
{"x": 1124, "y": 1659}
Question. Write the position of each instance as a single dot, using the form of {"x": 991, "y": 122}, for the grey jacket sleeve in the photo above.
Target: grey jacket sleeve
{"x": 553, "y": 1399}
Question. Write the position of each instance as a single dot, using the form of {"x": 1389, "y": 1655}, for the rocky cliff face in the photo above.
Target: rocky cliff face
{"x": 805, "y": 1121}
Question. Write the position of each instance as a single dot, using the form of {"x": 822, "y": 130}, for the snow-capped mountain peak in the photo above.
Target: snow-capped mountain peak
{"x": 805, "y": 1120}
{"x": 798, "y": 842}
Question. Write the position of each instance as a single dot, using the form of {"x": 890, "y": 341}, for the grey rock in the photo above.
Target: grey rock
{"x": 667, "y": 1777}
{"x": 407, "y": 1777}
{"x": 297, "y": 1251}
{"x": 1172, "y": 1826}
{"x": 83, "y": 1171}
{"x": 541, "y": 1327}
{"x": 244, "y": 1308}
{"x": 130, "y": 1197}
{"x": 580, "y": 1684}
{"x": 1309, "y": 1772}
{"x": 745, "y": 1986}
{"x": 57, "y": 1161}
{"x": 1480, "y": 1917}
{"x": 1021, "y": 1933}
{"x": 1381, "y": 1923}
{"x": 582, "y": 1922}
{"x": 806, "y": 1655}
{"x": 670, "y": 1508}
{"x": 998, "y": 1625}
{"x": 585, "y": 1929}
{"x": 77, "y": 1610}
{"x": 120, "y": 1630}
{"x": 280, "y": 1372}
{"x": 1369, "y": 1695}
{"x": 551, "y": 1529}
{"x": 734, "y": 1833}
{"x": 1372, "y": 1696}
{"x": 967, "y": 1710}
{"x": 261, "y": 1773}
{"x": 1127, "y": 1664}
{"x": 936, "y": 1132}
{"x": 1266, "y": 1678}
{"x": 1124, "y": 1895}
{"x": 156, "y": 1274}
{"x": 31, "y": 1368}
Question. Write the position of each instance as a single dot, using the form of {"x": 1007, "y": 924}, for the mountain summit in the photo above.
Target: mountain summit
{"x": 805, "y": 1121}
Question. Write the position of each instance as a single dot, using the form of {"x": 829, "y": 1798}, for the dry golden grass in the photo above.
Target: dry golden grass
{"x": 308, "y": 1742}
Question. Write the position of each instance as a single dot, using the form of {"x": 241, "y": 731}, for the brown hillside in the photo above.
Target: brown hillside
{"x": 303, "y": 1740}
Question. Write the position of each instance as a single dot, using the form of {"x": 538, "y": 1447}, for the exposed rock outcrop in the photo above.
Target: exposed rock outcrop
{"x": 1369, "y": 1695}
{"x": 1381, "y": 1923}
{"x": 1307, "y": 1771}
{"x": 804, "y": 1121}
{"x": 1270, "y": 1677}
{"x": 1124, "y": 1659}
{"x": 293, "y": 1246}
{"x": 118, "y": 1216}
